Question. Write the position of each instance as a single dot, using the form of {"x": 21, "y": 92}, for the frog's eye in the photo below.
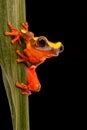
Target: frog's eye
{"x": 41, "y": 41}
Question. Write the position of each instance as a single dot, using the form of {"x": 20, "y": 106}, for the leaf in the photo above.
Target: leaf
{"x": 13, "y": 11}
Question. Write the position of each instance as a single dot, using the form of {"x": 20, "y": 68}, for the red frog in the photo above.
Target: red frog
{"x": 36, "y": 51}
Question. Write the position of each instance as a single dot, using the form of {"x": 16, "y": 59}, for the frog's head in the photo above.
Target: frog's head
{"x": 41, "y": 43}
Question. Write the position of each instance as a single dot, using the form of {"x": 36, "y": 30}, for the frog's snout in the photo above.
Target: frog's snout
{"x": 58, "y": 50}
{"x": 61, "y": 49}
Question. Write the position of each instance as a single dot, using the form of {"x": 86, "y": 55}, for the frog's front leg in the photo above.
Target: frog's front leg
{"x": 15, "y": 33}
{"x": 23, "y": 57}
{"x": 25, "y": 26}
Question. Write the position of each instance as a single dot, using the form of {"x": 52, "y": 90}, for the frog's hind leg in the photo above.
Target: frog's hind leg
{"x": 26, "y": 93}
{"x": 24, "y": 87}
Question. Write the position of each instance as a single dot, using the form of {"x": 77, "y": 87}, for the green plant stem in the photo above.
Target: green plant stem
{"x": 13, "y": 11}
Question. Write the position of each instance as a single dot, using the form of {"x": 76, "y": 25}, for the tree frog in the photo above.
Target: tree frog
{"x": 37, "y": 50}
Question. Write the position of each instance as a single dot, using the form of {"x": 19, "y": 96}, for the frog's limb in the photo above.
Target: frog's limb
{"x": 11, "y": 26}
{"x": 24, "y": 87}
{"x": 33, "y": 82}
{"x": 23, "y": 57}
{"x": 26, "y": 33}
{"x": 25, "y": 26}
{"x": 15, "y": 33}
{"x": 18, "y": 33}
{"x": 26, "y": 93}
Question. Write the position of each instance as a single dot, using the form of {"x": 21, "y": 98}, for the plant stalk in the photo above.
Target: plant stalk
{"x": 13, "y": 11}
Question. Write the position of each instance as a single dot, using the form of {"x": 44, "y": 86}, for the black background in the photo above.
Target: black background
{"x": 61, "y": 102}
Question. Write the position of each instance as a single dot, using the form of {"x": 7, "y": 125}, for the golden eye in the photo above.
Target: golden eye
{"x": 41, "y": 41}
